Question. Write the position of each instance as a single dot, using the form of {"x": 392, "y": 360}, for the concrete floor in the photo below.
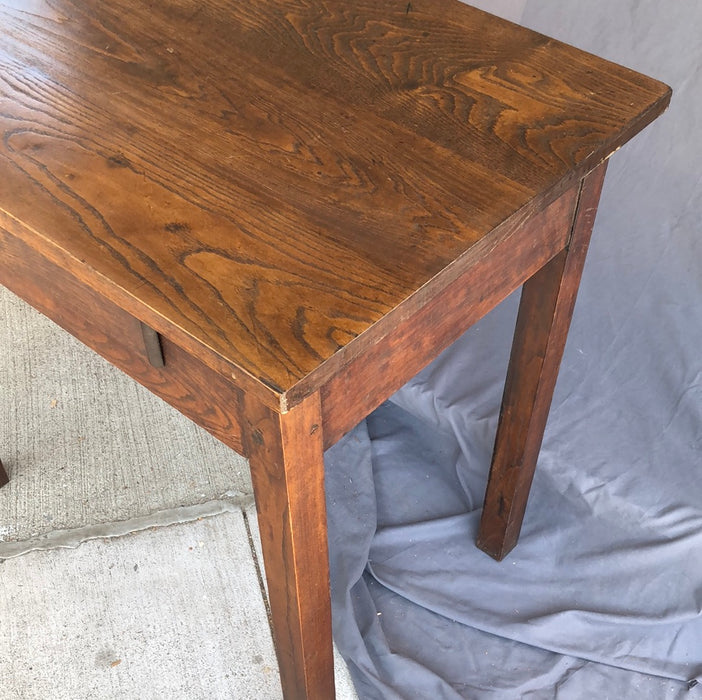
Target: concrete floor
{"x": 129, "y": 550}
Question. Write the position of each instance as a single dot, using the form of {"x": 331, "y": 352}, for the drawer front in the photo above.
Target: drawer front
{"x": 197, "y": 391}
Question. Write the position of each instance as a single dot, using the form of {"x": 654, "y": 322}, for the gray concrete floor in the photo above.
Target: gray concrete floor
{"x": 129, "y": 552}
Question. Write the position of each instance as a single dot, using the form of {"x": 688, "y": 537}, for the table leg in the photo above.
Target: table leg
{"x": 287, "y": 468}
{"x": 3, "y": 475}
{"x": 545, "y": 310}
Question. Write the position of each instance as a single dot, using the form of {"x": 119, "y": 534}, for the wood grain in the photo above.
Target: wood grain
{"x": 264, "y": 182}
{"x": 287, "y": 469}
{"x": 304, "y": 202}
{"x": 415, "y": 340}
{"x": 184, "y": 382}
{"x": 545, "y": 311}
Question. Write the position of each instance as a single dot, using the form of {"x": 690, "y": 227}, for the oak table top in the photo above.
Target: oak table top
{"x": 270, "y": 182}
{"x": 273, "y": 213}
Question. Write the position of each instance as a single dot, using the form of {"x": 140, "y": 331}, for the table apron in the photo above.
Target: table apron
{"x": 491, "y": 274}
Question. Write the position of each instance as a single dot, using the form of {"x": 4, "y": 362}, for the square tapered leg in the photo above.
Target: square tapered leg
{"x": 545, "y": 311}
{"x": 287, "y": 468}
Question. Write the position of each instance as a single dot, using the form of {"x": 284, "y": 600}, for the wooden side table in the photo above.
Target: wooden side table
{"x": 274, "y": 213}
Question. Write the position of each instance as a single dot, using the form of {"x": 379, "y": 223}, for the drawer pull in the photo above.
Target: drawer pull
{"x": 152, "y": 345}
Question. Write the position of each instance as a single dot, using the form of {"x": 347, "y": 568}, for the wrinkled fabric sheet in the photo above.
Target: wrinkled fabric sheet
{"x": 602, "y": 597}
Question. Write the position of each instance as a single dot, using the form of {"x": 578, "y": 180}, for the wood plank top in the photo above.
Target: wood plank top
{"x": 268, "y": 182}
